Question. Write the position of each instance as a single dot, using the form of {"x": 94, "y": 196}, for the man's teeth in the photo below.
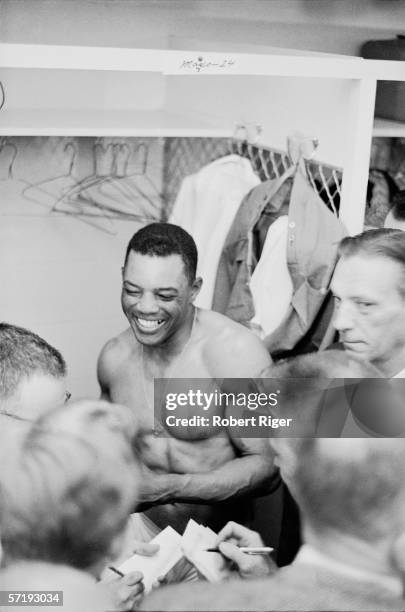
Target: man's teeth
{"x": 150, "y": 325}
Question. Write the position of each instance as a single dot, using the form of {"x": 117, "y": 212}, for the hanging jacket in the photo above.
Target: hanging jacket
{"x": 206, "y": 206}
{"x": 313, "y": 237}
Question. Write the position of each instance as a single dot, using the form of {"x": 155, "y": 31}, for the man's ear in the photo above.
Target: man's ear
{"x": 195, "y": 288}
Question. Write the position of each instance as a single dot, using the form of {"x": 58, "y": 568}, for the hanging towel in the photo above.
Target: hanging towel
{"x": 206, "y": 206}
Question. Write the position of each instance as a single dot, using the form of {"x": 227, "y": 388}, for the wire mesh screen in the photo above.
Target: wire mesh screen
{"x": 184, "y": 156}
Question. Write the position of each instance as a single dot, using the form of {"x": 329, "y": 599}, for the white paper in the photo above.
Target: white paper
{"x": 196, "y": 539}
{"x": 169, "y": 553}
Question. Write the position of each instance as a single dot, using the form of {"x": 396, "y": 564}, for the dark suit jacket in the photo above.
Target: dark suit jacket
{"x": 296, "y": 587}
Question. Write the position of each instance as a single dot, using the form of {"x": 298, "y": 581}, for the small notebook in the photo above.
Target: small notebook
{"x": 173, "y": 547}
{"x": 159, "y": 564}
{"x": 195, "y": 541}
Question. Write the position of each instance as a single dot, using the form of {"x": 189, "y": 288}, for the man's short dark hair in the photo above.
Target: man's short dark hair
{"x": 162, "y": 240}
{"x": 388, "y": 243}
{"x": 23, "y": 353}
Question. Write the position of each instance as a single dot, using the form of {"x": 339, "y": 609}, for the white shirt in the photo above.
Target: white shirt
{"x": 271, "y": 283}
{"x": 206, "y": 206}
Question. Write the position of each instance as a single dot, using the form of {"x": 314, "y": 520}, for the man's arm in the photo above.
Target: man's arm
{"x": 252, "y": 473}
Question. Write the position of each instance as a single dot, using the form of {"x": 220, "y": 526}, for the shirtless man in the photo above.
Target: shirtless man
{"x": 199, "y": 476}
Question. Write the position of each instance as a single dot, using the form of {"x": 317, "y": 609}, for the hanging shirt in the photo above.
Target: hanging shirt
{"x": 206, "y": 207}
{"x": 313, "y": 237}
{"x": 271, "y": 283}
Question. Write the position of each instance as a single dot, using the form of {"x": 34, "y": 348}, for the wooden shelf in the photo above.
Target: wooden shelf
{"x": 26, "y": 122}
{"x": 388, "y": 128}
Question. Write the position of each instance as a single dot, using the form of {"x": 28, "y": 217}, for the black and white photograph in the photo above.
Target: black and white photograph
{"x": 202, "y": 305}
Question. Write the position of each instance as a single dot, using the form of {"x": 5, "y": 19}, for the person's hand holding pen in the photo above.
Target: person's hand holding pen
{"x": 126, "y": 590}
{"x": 230, "y": 540}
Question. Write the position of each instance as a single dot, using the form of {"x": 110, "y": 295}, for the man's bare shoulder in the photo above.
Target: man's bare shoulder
{"x": 227, "y": 340}
{"x": 220, "y": 328}
{"x": 114, "y": 353}
{"x": 118, "y": 347}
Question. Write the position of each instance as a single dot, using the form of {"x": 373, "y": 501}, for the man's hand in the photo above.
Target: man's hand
{"x": 231, "y": 537}
{"x": 126, "y": 592}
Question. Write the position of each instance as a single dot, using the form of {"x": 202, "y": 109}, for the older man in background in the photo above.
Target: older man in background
{"x": 369, "y": 290}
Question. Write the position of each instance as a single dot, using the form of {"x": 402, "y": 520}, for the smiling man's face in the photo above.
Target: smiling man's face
{"x": 370, "y": 310}
{"x": 156, "y": 296}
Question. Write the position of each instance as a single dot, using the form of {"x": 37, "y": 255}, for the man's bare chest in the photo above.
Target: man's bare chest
{"x": 160, "y": 403}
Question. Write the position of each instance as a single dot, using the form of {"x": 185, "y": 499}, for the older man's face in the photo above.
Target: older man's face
{"x": 370, "y": 311}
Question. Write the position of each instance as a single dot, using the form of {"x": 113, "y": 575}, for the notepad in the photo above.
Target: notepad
{"x": 173, "y": 547}
{"x": 170, "y": 552}
{"x": 195, "y": 541}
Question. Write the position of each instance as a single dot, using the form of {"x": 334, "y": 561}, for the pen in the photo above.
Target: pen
{"x": 250, "y": 550}
{"x": 116, "y": 571}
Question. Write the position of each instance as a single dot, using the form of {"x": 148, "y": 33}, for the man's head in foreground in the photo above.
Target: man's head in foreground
{"x": 350, "y": 491}
{"x": 316, "y": 392}
{"x": 68, "y": 485}
{"x": 32, "y": 373}
{"x": 369, "y": 289}
{"x": 159, "y": 281}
